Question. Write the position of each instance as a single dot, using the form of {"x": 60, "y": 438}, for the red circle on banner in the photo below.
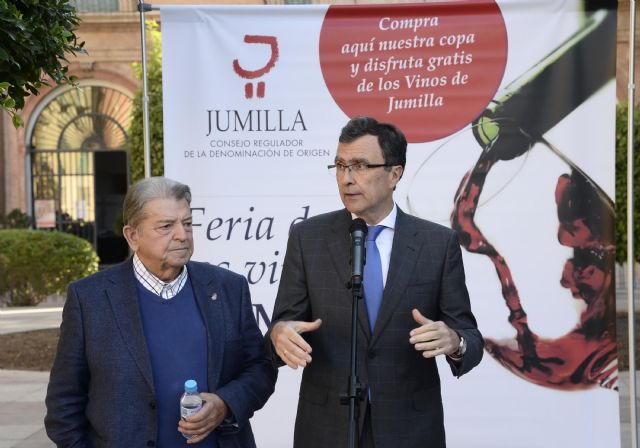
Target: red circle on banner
{"x": 430, "y": 69}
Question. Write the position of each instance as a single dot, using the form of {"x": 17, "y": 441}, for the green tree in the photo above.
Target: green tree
{"x": 154, "y": 88}
{"x": 621, "y": 183}
{"x": 35, "y": 37}
{"x": 16, "y": 219}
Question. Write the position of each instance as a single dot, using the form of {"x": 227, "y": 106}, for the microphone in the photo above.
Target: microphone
{"x": 358, "y": 232}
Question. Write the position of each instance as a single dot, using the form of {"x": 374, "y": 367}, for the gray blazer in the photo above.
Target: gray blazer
{"x": 425, "y": 272}
{"x": 101, "y": 386}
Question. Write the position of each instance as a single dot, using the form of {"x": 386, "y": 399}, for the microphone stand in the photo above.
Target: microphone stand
{"x": 355, "y": 388}
{"x": 354, "y": 391}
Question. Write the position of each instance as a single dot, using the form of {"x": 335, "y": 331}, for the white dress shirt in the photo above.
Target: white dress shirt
{"x": 385, "y": 239}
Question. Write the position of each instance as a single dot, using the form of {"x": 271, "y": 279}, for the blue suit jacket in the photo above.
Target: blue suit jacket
{"x": 101, "y": 389}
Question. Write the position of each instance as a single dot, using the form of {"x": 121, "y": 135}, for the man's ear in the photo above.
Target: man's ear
{"x": 131, "y": 235}
{"x": 396, "y": 172}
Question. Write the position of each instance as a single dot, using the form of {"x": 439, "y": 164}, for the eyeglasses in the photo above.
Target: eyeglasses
{"x": 357, "y": 167}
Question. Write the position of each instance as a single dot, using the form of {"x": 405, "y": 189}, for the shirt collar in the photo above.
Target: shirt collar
{"x": 388, "y": 221}
{"x": 154, "y": 284}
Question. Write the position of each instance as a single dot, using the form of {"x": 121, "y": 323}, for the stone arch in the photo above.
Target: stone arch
{"x": 77, "y": 160}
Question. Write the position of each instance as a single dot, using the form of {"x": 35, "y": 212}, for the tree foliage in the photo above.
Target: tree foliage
{"x": 621, "y": 183}
{"x": 16, "y": 219}
{"x": 35, "y": 37}
{"x": 154, "y": 90}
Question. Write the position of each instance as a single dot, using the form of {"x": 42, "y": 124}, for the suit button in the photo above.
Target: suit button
{"x": 372, "y": 354}
{"x": 152, "y": 404}
{"x": 151, "y": 443}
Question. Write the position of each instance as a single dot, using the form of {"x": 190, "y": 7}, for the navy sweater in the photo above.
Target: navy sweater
{"x": 177, "y": 342}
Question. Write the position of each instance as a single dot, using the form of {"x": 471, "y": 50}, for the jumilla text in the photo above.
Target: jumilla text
{"x": 254, "y": 120}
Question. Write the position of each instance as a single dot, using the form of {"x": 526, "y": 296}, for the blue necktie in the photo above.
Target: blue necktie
{"x": 372, "y": 280}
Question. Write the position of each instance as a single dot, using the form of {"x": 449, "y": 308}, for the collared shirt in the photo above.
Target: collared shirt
{"x": 154, "y": 284}
{"x": 385, "y": 239}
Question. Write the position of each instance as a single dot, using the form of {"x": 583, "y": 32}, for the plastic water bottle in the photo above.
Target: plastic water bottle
{"x": 190, "y": 402}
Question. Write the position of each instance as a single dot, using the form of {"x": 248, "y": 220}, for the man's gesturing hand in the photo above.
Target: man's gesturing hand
{"x": 289, "y": 345}
{"x": 433, "y": 338}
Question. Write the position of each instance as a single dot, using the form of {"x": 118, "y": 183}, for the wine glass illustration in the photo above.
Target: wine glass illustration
{"x": 508, "y": 132}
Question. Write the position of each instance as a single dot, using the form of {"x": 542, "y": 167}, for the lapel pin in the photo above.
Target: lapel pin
{"x": 214, "y": 296}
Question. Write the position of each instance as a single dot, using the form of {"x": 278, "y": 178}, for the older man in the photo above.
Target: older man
{"x": 416, "y": 306}
{"x": 132, "y": 334}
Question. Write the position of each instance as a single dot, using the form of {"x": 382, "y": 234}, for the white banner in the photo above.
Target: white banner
{"x": 509, "y": 110}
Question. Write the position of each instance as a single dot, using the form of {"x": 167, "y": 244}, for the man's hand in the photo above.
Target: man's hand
{"x": 289, "y": 345}
{"x": 433, "y": 338}
{"x": 199, "y": 425}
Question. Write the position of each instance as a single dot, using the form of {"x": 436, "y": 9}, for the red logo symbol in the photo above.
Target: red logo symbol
{"x": 253, "y": 74}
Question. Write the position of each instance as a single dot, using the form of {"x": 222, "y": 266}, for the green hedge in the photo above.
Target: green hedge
{"x": 36, "y": 263}
{"x": 621, "y": 183}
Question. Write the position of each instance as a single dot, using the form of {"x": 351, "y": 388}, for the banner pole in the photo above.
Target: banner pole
{"x": 630, "y": 216}
{"x": 143, "y": 7}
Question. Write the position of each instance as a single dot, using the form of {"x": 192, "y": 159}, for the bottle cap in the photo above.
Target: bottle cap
{"x": 191, "y": 386}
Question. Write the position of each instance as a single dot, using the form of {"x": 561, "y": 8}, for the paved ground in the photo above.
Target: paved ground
{"x": 22, "y": 393}
{"x": 32, "y": 319}
{"x": 22, "y": 409}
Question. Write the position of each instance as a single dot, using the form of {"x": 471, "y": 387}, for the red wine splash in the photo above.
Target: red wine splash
{"x": 586, "y": 356}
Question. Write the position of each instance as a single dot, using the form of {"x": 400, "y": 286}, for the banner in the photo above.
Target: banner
{"x": 509, "y": 109}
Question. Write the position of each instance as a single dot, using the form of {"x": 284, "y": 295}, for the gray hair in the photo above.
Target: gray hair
{"x": 147, "y": 190}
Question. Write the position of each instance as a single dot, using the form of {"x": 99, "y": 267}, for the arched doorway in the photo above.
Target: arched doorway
{"x": 79, "y": 167}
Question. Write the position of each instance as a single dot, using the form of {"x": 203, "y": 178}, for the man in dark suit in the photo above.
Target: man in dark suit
{"x": 133, "y": 334}
{"x": 423, "y": 310}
